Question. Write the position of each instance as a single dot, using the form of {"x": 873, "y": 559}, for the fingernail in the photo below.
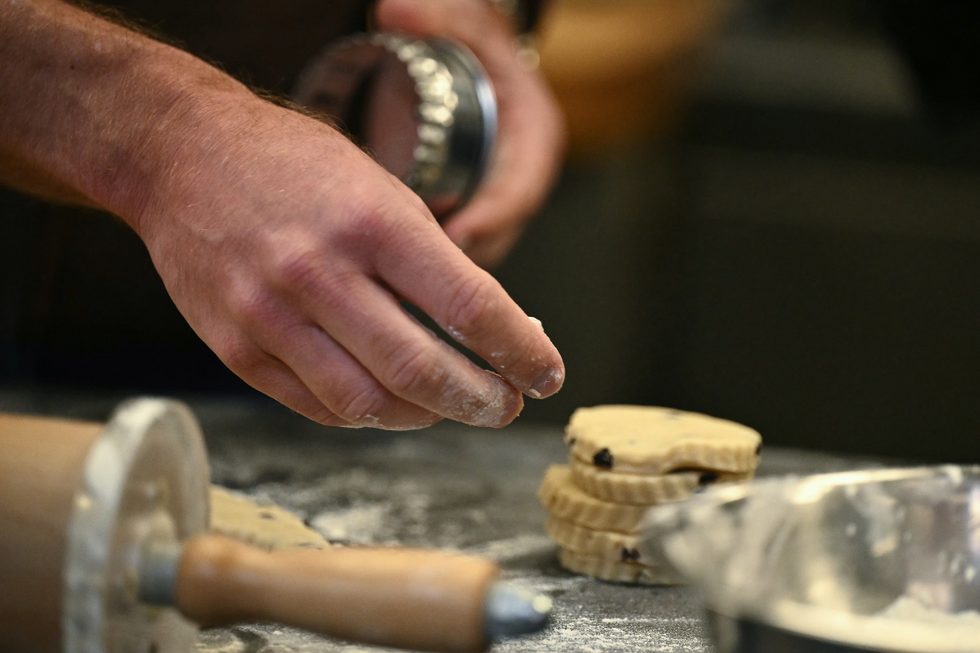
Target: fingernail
{"x": 548, "y": 383}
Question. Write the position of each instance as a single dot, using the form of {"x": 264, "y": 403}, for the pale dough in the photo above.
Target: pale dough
{"x": 265, "y": 526}
{"x": 653, "y": 440}
{"x": 619, "y": 572}
{"x": 642, "y": 489}
{"x": 563, "y": 499}
{"x": 608, "y": 545}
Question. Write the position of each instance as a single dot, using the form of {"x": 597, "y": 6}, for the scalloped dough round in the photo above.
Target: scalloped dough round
{"x": 563, "y": 499}
{"x": 654, "y": 440}
{"x": 644, "y": 489}
{"x": 610, "y": 545}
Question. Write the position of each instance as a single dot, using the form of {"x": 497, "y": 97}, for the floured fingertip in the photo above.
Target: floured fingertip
{"x": 548, "y": 383}
{"x": 493, "y": 407}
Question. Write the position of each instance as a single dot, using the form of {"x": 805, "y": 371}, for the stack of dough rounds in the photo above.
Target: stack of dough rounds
{"x": 624, "y": 459}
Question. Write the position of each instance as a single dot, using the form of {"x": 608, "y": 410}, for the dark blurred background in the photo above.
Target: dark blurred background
{"x": 771, "y": 213}
{"x": 793, "y": 241}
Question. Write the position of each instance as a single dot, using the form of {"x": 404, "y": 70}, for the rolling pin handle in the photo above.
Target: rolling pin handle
{"x": 415, "y": 599}
{"x": 406, "y": 598}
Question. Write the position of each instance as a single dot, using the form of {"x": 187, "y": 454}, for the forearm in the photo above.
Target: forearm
{"x": 94, "y": 113}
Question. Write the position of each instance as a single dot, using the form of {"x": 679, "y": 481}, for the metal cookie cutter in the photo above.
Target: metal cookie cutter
{"x": 425, "y": 109}
{"x": 884, "y": 560}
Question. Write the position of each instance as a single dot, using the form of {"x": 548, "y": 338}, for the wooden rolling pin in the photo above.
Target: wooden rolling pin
{"x": 40, "y": 468}
{"x": 409, "y": 598}
{"x": 420, "y": 599}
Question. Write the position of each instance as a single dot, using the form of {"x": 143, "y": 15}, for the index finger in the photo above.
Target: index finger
{"x": 472, "y": 307}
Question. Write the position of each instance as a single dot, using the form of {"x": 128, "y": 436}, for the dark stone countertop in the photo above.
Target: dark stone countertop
{"x": 455, "y": 487}
{"x": 449, "y": 486}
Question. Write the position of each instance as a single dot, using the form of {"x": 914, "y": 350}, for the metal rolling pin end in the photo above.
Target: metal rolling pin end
{"x": 513, "y": 610}
{"x": 419, "y": 599}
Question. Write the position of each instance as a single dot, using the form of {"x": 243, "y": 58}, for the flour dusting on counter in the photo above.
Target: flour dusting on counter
{"x": 514, "y": 547}
{"x": 451, "y": 487}
{"x": 580, "y": 629}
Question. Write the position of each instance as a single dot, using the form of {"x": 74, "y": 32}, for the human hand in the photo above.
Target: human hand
{"x": 287, "y": 250}
{"x": 285, "y": 247}
{"x": 531, "y": 137}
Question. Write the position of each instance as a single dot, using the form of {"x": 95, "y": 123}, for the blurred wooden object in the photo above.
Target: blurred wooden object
{"x": 40, "y": 470}
{"x": 622, "y": 68}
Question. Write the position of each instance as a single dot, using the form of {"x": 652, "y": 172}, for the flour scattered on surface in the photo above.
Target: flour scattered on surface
{"x": 649, "y": 620}
{"x": 453, "y": 488}
{"x": 587, "y": 634}
{"x": 357, "y": 525}
{"x": 514, "y": 547}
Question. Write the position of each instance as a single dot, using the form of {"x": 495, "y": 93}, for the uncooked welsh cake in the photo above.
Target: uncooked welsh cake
{"x": 615, "y": 570}
{"x": 263, "y": 525}
{"x": 653, "y": 440}
{"x": 563, "y": 499}
{"x": 643, "y": 489}
{"x": 622, "y": 461}
{"x": 603, "y": 544}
